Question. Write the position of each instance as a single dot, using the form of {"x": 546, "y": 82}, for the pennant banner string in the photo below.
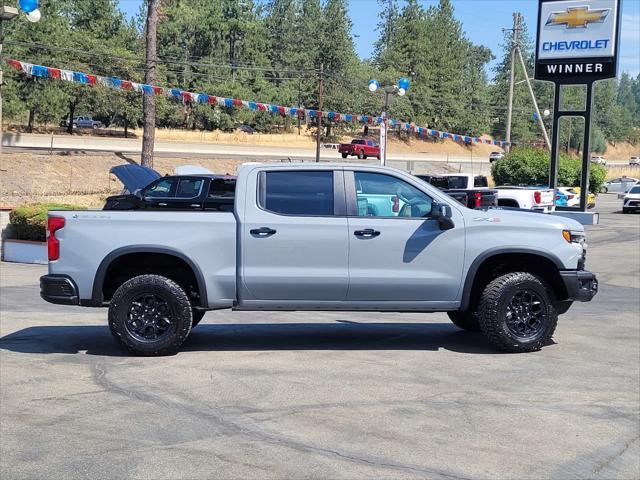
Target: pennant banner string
{"x": 41, "y": 71}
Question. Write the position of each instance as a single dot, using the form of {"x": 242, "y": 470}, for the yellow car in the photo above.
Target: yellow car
{"x": 591, "y": 198}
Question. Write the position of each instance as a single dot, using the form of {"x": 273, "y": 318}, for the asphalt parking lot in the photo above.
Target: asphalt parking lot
{"x": 327, "y": 395}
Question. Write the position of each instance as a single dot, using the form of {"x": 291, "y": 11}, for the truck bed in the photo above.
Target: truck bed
{"x": 108, "y": 232}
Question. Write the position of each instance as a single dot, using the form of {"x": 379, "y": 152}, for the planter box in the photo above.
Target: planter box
{"x": 24, "y": 251}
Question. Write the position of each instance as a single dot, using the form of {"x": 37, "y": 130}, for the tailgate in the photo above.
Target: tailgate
{"x": 546, "y": 197}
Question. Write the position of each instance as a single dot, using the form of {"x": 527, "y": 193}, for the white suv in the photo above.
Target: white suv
{"x": 598, "y": 159}
{"x": 634, "y": 161}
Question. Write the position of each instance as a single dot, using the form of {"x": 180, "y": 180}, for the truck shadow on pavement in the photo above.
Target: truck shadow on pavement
{"x": 342, "y": 335}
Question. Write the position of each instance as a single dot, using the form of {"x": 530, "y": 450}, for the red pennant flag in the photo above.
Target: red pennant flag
{"x": 126, "y": 85}
{"x": 157, "y": 90}
{"x": 336, "y": 117}
{"x": 15, "y": 64}
{"x": 212, "y": 100}
{"x": 281, "y": 110}
{"x": 91, "y": 79}
{"x": 186, "y": 96}
{"x": 54, "y": 73}
{"x": 237, "y": 102}
{"x": 261, "y": 106}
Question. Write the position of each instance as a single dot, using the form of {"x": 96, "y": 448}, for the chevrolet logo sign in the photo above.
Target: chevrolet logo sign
{"x": 578, "y": 17}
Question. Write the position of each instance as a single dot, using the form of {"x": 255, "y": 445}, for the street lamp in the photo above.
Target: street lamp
{"x": 30, "y": 8}
{"x": 389, "y": 90}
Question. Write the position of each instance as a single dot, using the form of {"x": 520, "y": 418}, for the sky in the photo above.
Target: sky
{"x": 482, "y": 20}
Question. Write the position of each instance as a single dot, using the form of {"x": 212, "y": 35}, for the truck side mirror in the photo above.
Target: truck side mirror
{"x": 442, "y": 213}
{"x": 138, "y": 194}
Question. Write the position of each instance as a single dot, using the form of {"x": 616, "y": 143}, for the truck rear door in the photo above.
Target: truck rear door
{"x": 294, "y": 239}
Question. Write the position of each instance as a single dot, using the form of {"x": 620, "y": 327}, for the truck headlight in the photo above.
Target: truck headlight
{"x": 574, "y": 237}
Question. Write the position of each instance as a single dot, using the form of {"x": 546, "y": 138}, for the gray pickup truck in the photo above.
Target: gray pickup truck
{"x": 320, "y": 237}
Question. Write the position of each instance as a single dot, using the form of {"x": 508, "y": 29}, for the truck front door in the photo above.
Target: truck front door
{"x": 294, "y": 237}
{"x": 397, "y": 251}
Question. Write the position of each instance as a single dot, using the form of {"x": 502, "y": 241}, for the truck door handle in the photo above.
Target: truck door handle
{"x": 162, "y": 204}
{"x": 367, "y": 233}
{"x": 262, "y": 232}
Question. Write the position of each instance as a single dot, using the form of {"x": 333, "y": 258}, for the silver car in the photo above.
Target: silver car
{"x": 618, "y": 185}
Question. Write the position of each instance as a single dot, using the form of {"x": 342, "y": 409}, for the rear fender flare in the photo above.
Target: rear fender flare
{"x": 98, "y": 282}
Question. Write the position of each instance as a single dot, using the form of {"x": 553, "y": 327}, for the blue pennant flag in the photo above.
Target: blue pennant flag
{"x": 39, "y": 71}
{"x": 80, "y": 77}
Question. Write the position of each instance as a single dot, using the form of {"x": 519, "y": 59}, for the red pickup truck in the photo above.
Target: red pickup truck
{"x": 360, "y": 147}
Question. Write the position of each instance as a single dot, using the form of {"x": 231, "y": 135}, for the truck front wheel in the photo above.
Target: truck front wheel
{"x": 150, "y": 315}
{"x": 361, "y": 154}
{"x": 344, "y": 155}
{"x": 465, "y": 320}
{"x": 516, "y": 313}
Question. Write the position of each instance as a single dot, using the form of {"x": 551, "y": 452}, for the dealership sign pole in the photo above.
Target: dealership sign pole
{"x": 576, "y": 44}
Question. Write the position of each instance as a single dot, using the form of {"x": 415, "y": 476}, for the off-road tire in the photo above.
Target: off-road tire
{"x": 197, "y": 316}
{"x": 465, "y": 320}
{"x": 177, "y": 301}
{"x": 492, "y": 312}
{"x": 361, "y": 154}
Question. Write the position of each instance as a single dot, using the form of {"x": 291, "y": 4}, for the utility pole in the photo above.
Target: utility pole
{"x": 319, "y": 115}
{"x": 514, "y": 44}
{"x": 148, "y": 99}
{"x": 299, "y": 102}
{"x": 535, "y": 102}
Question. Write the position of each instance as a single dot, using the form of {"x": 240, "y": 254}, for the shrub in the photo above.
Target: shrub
{"x": 30, "y": 221}
{"x": 530, "y": 166}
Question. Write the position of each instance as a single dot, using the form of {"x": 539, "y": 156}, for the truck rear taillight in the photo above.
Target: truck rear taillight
{"x": 537, "y": 196}
{"x": 478, "y": 199}
{"x": 53, "y": 245}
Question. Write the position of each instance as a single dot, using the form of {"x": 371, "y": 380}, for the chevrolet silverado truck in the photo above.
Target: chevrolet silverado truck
{"x": 471, "y": 190}
{"x": 320, "y": 237}
{"x": 361, "y": 148}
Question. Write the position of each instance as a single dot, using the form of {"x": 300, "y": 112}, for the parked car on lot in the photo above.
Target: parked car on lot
{"x": 617, "y": 185}
{"x": 470, "y": 190}
{"x": 563, "y": 198}
{"x": 176, "y": 192}
{"x": 493, "y": 156}
{"x": 83, "y": 122}
{"x": 634, "y": 161}
{"x": 361, "y": 148}
{"x": 591, "y": 198}
{"x": 631, "y": 201}
{"x": 302, "y": 237}
{"x": 526, "y": 197}
{"x": 600, "y": 160}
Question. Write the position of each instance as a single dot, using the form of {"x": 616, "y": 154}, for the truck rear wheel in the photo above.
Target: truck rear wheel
{"x": 361, "y": 154}
{"x": 516, "y": 313}
{"x": 150, "y": 315}
{"x": 465, "y": 320}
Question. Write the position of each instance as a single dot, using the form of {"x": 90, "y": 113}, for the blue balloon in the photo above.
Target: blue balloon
{"x": 28, "y": 6}
{"x": 403, "y": 83}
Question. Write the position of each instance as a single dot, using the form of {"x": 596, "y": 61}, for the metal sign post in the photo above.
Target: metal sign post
{"x": 576, "y": 44}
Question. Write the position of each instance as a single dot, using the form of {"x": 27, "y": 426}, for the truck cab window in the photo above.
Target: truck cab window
{"x": 381, "y": 195}
{"x": 306, "y": 193}
{"x": 189, "y": 187}
{"x": 162, "y": 189}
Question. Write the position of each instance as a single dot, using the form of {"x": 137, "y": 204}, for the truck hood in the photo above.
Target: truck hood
{"x": 134, "y": 177}
{"x": 527, "y": 218}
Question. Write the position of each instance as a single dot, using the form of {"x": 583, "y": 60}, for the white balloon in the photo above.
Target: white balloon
{"x": 546, "y": 113}
{"x": 34, "y": 16}
{"x": 401, "y": 91}
{"x": 373, "y": 87}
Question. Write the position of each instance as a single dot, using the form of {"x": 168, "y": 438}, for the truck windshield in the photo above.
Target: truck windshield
{"x": 635, "y": 189}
